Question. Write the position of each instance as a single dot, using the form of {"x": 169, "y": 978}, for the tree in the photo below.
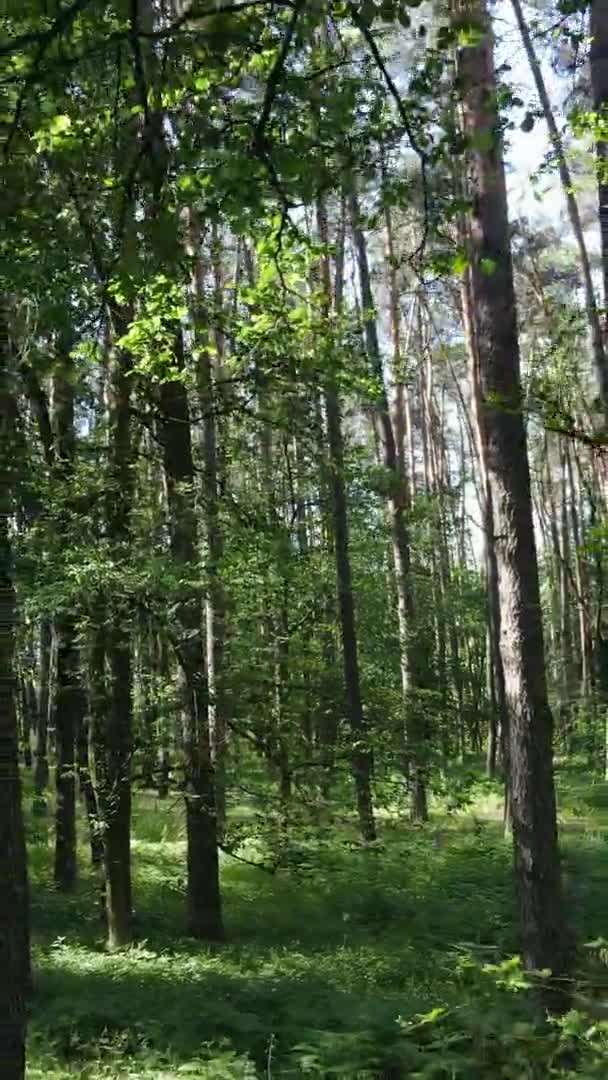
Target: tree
{"x": 497, "y": 376}
{"x": 14, "y": 927}
{"x": 70, "y": 703}
{"x": 599, "y": 84}
{"x": 597, "y": 340}
{"x": 361, "y": 757}
{"x": 204, "y": 900}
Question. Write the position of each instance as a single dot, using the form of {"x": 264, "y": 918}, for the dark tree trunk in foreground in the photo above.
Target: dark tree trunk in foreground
{"x": 204, "y": 901}
{"x": 505, "y": 452}
{"x": 14, "y": 929}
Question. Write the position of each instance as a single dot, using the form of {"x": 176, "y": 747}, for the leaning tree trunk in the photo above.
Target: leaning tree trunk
{"x": 14, "y": 925}
{"x": 504, "y": 447}
{"x": 203, "y": 888}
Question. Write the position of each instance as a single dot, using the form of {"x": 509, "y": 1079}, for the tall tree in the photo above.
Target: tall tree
{"x": 361, "y": 756}
{"x": 69, "y": 695}
{"x": 14, "y": 927}
{"x": 599, "y": 83}
{"x": 204, "y": 901}
{"x": 114, "y": 735}
{"x": 397, "y": 507}
{"x": 497, "y": 375}
{"x": 593, "y": 318}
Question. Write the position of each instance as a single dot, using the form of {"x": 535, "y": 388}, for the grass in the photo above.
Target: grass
{"x": 354, "y": 963}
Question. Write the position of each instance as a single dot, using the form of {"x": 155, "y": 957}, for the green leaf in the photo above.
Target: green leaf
{"x": 60, "y": 124}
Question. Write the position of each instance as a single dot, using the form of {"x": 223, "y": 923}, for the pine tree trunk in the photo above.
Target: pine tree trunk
{"x": 361, "y": 762}
{"x": 87, "y": 790}
{"x": 504, "y": 447}
{"x": 204, "y": 901}
{"x": 501, "y": 719}
{"x": 593, "y": 318}
{"x": 397, "y": 504}
{"x": 599, "y": 82}
{"x": 206, "y": 372}
{"x": 14, "y": 915}
{"x": 114, "y": 737}
{"x": 161, "y": 668}
{"x": 69, "y": 711}
{"x": 69, "y": 700}
{"x": 40, "y": 749}
{"x": 584, "y": 620}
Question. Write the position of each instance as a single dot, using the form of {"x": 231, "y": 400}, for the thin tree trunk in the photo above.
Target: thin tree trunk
{"x": 114, "y": 738}
{"x": 397, "y": 504}
{"x": 207, "y": 372}
{"x": 584, "y": 622}
{"x": 40, "y": 749}
{"x": 593, "y": 317}
{"x": 504, "y": 447}
{"x": 599, "y": 82}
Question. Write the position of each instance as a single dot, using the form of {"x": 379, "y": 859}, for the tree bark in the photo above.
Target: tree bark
{"x": 112, "y": 737}
{"x": 207, "y": 372}
{"x": 397, "y": 503}
{"x": 497, "y": 377}
{"x": 40, "y": 748}
{"x": 14, "y": 914}
{"x": 598, "y": 58}
{"x": 204, "y": 901}
{"x": 593, "y": 318}
{"x": 361, "y": 756}
{"x": 69, "y": 698}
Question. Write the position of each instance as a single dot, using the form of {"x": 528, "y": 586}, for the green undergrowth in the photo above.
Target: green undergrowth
{"x": 392, "y": 961}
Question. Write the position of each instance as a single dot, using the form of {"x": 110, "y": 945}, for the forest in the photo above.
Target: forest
{"x": 303, "y": 539}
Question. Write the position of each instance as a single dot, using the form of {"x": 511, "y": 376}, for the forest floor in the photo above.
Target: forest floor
{"x": 389, "y": 962}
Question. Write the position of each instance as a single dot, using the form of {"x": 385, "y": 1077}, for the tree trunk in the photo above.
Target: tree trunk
{"x": 504, "y": 447}
{"x": 40, "y": 749}
{"x": 69, "y": 711}
{"x": 204, "y": 901}
{"x": 14, "y": 915}
{"x": 593, "y": 317}
{"x": 87, "y": 790}
{"x": 69, "y": 700}
{"x": 598, "y": 58}
{"x": 397, "y": 503}
{"x": 207, "y": 373}
{"x": 361, "y": 757}
{"x": 113, "y": 737}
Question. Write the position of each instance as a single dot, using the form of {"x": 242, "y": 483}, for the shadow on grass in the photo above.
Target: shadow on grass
{"x": 327, "y": 955}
